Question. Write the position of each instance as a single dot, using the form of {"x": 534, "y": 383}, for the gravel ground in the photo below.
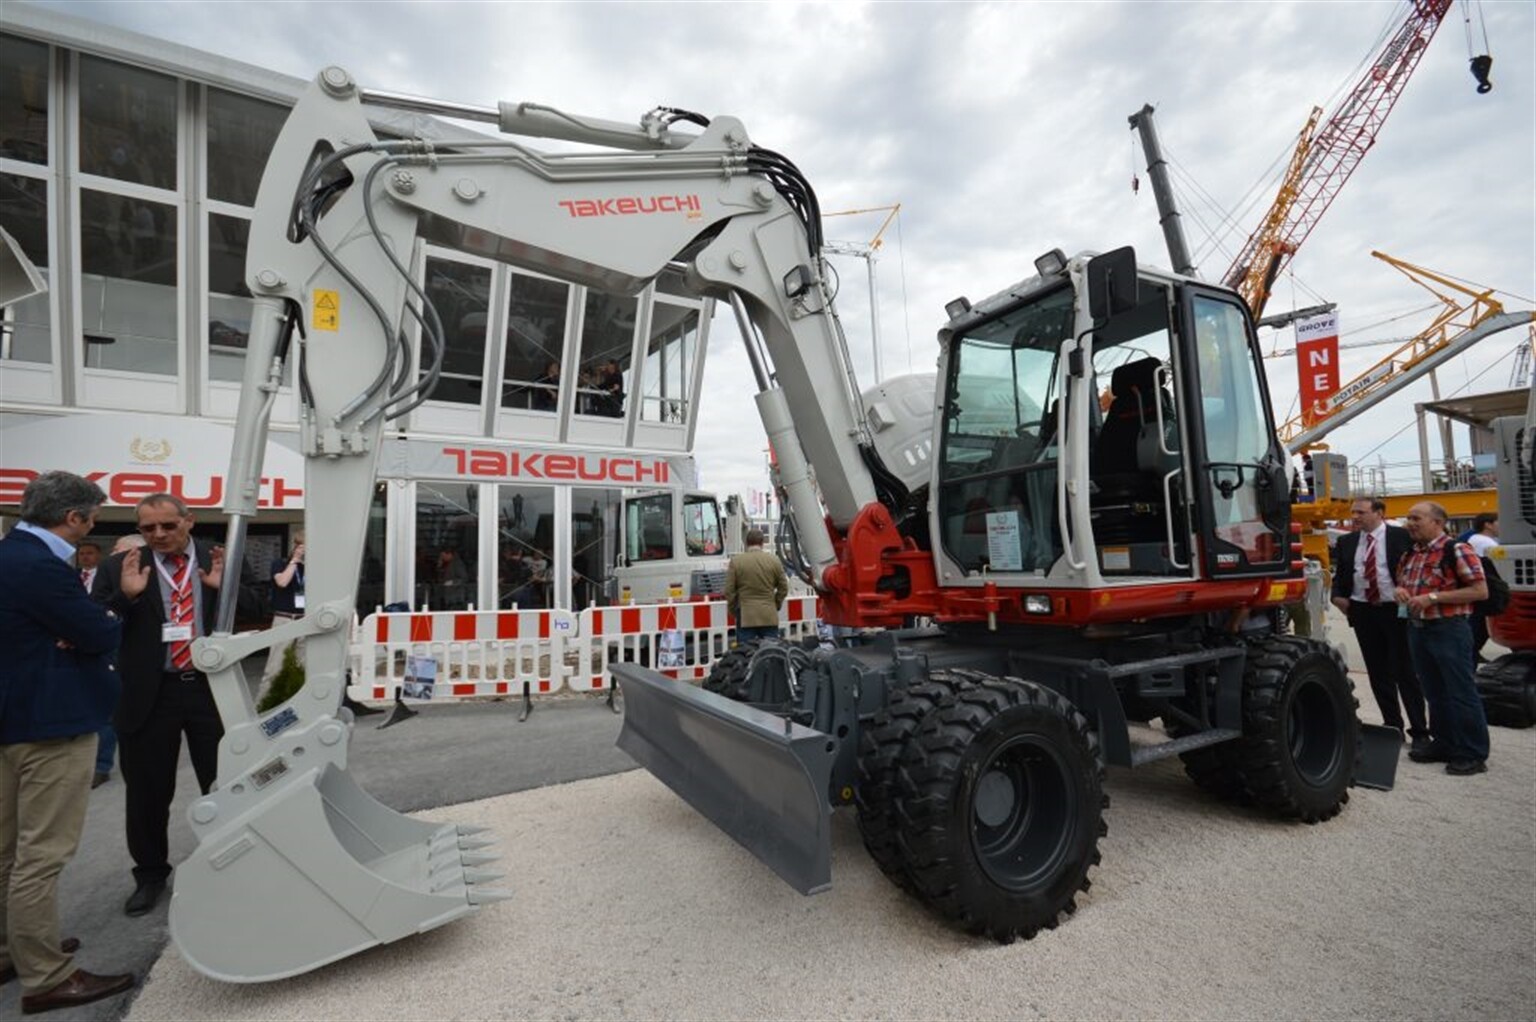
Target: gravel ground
{"x": 1419, "y": 903}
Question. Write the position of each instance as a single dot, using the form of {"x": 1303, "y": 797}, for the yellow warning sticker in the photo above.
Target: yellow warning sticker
{"x": 327, "y": 310}
{"x": 1278, "y": 591}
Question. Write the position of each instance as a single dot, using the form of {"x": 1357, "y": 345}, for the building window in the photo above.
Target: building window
{"x": 607, "y": 338}
{"x": 536, "y": 321}
{"x": 23, "y": 100}
{"x": 525, "y": 540}
{"x": 592, "y": 546}
{"x": 127, "y": 123}
{"x": 128, "y": 283}
{"x": 461, "y": 294}
{"x": 447, "y": 545}
{"x": 229, "y": 301}
{"x": 241, "y": 134}
{"x": 370, "y": 578}
{"x": 24, "y": 325}
{"x": 669, "y": 360}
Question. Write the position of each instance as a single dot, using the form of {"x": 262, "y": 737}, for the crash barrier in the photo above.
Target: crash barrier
{"x": 456, "y": 654}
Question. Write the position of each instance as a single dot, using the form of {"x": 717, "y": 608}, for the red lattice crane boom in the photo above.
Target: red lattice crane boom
{"x": 1322, "y": 162}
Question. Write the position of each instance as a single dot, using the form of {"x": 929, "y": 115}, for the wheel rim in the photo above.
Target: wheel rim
{"x": 1023, "y": 805}
{"x": 1315, "y": 730}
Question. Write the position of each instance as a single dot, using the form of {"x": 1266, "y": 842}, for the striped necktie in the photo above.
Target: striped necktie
{"x": 181, "y": 609}
{"x": 1372, "y": 582}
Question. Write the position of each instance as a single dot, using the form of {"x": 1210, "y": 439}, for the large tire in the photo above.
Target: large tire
{"x": 1301, "y": 735}
{"x": 1216, "y": 769}
{"x": 1000, "y": 808}
{"x": 881, "y": 743}
{"x": 728, "y": 674}
{"x": 1507, "y": 687}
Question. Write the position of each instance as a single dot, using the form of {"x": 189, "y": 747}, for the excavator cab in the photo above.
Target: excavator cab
{"x": 1088, "y": 442}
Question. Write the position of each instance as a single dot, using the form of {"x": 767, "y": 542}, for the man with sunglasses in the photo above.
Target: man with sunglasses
{"x": 164, "y": 695}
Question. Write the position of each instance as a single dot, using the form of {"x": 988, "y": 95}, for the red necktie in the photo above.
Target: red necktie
{"x": 85, "y": 579}
{"x": 181, "y": 609}
{"x": 1372, "y": 584}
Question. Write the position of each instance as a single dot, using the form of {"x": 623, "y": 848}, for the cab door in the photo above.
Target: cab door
{"x": 1242, "y": 503}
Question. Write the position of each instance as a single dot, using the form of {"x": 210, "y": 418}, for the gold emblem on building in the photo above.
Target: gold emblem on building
{"x": 149, "y": 452}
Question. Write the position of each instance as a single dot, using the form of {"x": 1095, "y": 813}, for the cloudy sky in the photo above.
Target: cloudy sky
{"x": 1001, "y": 130}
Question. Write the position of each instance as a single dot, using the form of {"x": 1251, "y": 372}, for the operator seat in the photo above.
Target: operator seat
{"x": 1127, "y": 462}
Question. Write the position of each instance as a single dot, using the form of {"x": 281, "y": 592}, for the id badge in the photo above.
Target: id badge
{"x": 175, "y": 633}
{"x": 298, "y": 601}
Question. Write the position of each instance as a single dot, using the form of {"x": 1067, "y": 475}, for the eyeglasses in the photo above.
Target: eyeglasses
{"x": 150, "y": 528}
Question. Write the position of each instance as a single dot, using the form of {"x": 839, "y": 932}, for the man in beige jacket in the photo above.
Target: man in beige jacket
{"x": 755, "y": 587}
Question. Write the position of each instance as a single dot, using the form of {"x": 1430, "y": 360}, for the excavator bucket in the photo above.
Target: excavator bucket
{"x": 758, "y": 777}
{"x": 296, "y": 866}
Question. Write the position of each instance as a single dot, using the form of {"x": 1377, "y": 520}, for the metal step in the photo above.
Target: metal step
{"x": 1162, "y": 750}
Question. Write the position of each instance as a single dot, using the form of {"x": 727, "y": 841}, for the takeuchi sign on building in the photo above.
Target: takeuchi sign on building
{"x": 419, "y": 458}
{"x": 132, "y": 456}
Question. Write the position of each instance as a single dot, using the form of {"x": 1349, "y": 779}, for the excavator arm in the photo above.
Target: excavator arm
{"x": 339, "y": 220}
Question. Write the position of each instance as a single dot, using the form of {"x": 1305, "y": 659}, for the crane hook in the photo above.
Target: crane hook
{"x": 1481, "y": 66}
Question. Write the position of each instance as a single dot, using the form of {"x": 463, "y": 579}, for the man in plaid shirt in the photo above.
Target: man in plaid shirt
{"x": 1437, "y": 583}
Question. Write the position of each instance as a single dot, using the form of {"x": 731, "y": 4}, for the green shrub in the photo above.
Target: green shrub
{"x": 289, "y": 679}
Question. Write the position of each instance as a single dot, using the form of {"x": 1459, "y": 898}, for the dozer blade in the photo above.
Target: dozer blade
{"x": 758, "y": 778}
{"x": 310, "y": 870}
{"x": 1379, "y": 747}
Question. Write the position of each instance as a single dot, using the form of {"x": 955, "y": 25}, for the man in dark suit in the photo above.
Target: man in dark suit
{"x": 57, "y": 688}
{"x": 1364, "y": 564}
{"x": 164, "y": 696}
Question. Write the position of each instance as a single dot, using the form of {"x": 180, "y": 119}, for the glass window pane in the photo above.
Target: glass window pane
{"x": 648, "y": 528}
{"x": 447, "y": 545}
{"x": 241, "y": 133}
{"x": 127, "y": 123}
{"x": 128, "y": 283}
{"x": 536, "y": 323}
{"x": 607, "y": 337}
{"x": 701, "y": 525}
{"x": 669, "y": 359}
{"x": 229, "y": 302}
{"x": 592, "y": 546}
{"x": 370, "y": 579}
{"x": 461, "y": 294}
{"x": 23, "y": 99}
{"x": 525, "y": 519}
{"x": 27, "y": 324}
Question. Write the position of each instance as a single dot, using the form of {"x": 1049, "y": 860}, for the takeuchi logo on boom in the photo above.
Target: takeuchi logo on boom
{"x": 635, "y": 205}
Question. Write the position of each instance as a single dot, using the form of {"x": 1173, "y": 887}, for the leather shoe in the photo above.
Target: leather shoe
{"x": 1434, "y": 752}
{"x": 99, "y": 778}
{"x": 144, "y": 897}
{"x": 80, "y": 988}
{"x": 1466, "y": 767}
{"x": 1420, "y": 744}
{"x": 69, "y": 945}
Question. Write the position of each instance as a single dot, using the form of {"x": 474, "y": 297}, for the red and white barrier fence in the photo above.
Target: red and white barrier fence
{"x": 454, "y": 654}
{"x": 457, "y": 654}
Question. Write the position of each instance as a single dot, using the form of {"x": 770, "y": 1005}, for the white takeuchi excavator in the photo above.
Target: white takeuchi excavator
{"x": 1087, "y": 509}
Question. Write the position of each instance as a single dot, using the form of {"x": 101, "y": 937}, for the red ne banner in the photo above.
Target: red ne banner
{"x": 1317, "y": 364}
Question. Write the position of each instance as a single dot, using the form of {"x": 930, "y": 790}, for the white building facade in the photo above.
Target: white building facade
{"x": 128, "y": 171}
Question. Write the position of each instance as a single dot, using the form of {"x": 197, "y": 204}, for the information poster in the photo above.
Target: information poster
{"x": 1005, "y": 548}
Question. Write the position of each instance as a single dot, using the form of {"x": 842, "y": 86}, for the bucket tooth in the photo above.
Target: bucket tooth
{"x": 486, "y": 895}
{"x": 482, "y": 876}
{"x": 477, "y": 858}
{"x": 468, "y": 844}
{"x": 466, "y": 829}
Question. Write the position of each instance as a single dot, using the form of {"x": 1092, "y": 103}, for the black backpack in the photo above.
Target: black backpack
{"x": 1497, "y": 600}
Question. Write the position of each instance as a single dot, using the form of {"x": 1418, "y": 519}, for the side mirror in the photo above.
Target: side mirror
{"x": 1112, "y": 283}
